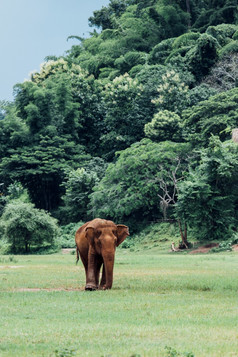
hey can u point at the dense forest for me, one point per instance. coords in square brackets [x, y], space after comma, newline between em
[133, 124]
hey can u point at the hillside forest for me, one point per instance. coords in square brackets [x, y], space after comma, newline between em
[133, 124]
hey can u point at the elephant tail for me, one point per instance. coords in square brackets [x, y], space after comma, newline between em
[77, 255]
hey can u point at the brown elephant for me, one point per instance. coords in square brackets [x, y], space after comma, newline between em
[96, 243]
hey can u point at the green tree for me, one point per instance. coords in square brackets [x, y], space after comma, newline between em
[57, 114]
[26, 228]
[130, 188]
[212, 13]
[79, 185]
[13, 131]
[202, 56]
[208, 197]
[104, 18]
[165, 125]
[172, 93]
[41, 168]
[125, 115]
[218, 116]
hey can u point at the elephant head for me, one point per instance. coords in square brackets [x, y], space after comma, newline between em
[105, 238]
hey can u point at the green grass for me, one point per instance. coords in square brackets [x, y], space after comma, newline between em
[185, 302]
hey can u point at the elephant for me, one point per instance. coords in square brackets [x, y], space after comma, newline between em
[96, 243]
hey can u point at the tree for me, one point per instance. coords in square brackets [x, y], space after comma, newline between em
[78, 186]
[125, 115]
[224, 75]
[208, 197]
[130, 188]
[165, 125]
[215, 116]
[104, 18]
[57, 113]
[13, 131]
[41, 168]
[172, 93]
[26, 228]
[212, 13]
[202, 56]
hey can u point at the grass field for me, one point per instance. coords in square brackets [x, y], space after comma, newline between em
[160, 305]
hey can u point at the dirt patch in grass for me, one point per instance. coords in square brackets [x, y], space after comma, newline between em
[47, 289]
[204, 249]
[11, 266]
[68, 250]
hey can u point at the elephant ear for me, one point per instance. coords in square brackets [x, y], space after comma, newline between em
[122, 233]
[90, 233]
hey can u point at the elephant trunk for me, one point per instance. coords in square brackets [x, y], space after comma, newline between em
[108, 259]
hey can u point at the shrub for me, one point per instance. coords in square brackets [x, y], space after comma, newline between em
[222, 33]
[225, 246]
[26, 228]
[165, 125]
[67, 234]
[202, 56]
[15, 190]
[231, 47]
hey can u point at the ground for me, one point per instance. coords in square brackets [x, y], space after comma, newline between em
[161, 305]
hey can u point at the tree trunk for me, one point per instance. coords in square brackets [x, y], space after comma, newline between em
[189, 12]
[183, 234]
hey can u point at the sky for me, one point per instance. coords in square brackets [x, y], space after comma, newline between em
[31, 30]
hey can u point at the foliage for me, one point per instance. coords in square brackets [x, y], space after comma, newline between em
[230, 48]
[172, 352]
[161, 51]
[153, 236]
[165, 125]
[162, 69]
[223, 33]
[224, 75]
[201, 93]
[226, 245]
[172, 93]
[3, 202]
[215, 116]
[125, 116]
[202, 56]
[26, 228]
[67, 235]
[78, 186]
[41, 169]
[15, 190]
[214, 13]
[49, 131]
[130, 187]
[207, 198]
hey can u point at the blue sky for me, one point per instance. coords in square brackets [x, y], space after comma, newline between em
[30, 30]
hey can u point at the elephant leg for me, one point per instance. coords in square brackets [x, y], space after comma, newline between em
[85, 263]
[103, 279]
[97, 269]
[90, 276]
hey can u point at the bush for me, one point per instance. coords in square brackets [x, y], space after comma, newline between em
[26, 228]
[165, 125]
[222, 33]
[226, 245]
[67, 234]
[231, 47]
